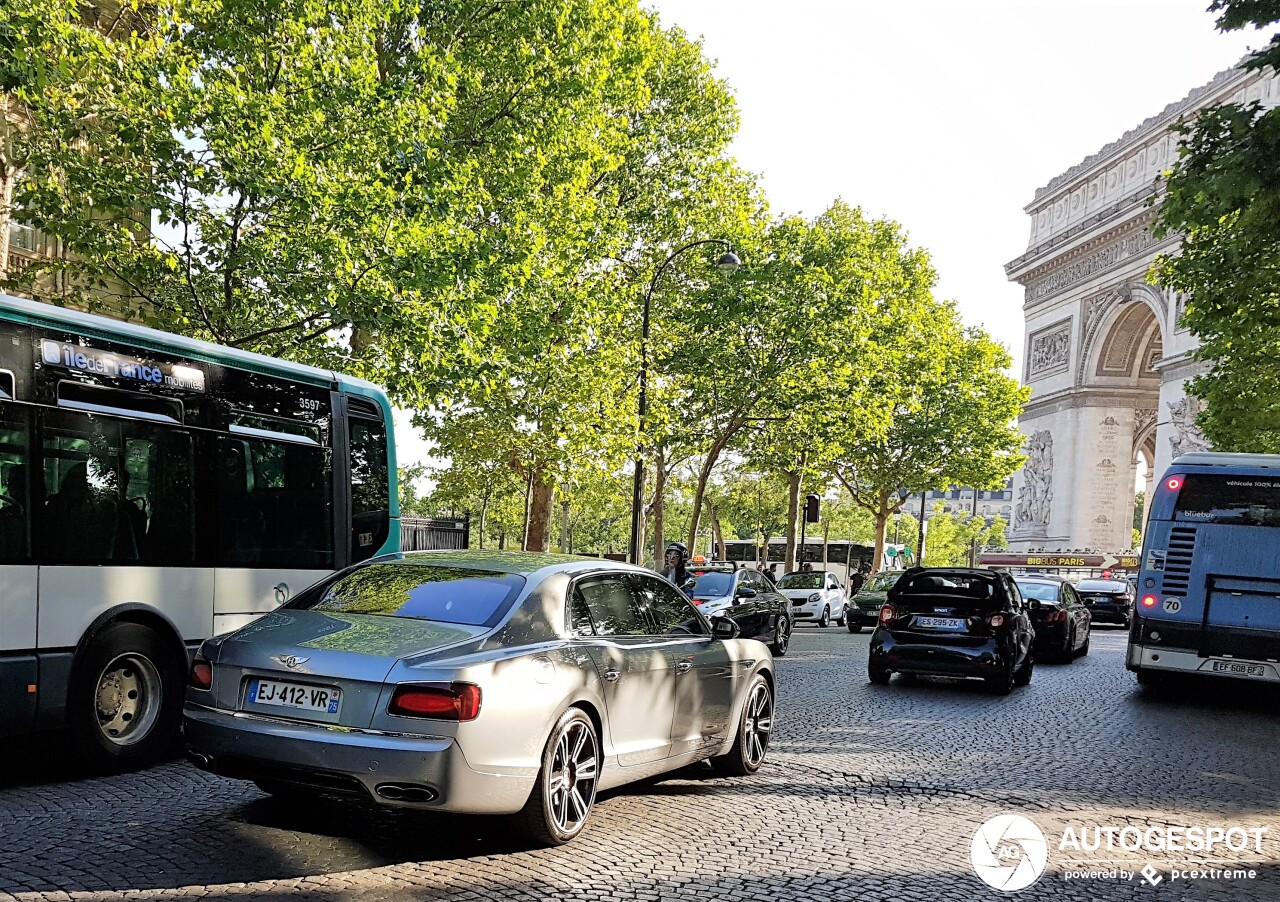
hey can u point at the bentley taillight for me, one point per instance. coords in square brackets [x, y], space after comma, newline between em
[201, 676]
[456, 701]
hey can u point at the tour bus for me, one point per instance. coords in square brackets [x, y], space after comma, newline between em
[1210, 572]
[155, 491]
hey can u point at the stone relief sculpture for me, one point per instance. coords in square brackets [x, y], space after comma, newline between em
[1035, 498]
[1187, 437]
[1050, 350]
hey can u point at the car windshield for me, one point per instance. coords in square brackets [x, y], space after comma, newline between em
[709, 584]
[443, 594]
[880, 583]
[802, 581]
[1038, 591]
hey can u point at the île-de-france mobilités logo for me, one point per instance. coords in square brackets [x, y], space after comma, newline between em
[1009, 852]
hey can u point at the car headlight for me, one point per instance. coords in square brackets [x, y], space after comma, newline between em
[816, 596]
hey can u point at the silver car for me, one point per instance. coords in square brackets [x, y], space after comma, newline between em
[495, 683]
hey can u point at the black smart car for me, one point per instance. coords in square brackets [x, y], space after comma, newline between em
[1061, 620]
[954, 622]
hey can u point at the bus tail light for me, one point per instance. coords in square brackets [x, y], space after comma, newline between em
[887, 613]
[201, 676]
[1174, 482]
[1148, 601]
[456, 701]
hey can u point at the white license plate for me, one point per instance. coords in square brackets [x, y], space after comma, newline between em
[295, 695]
[1233, 667]
[940, 623]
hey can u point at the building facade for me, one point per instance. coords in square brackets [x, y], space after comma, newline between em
[1105, 357]
[959, 500]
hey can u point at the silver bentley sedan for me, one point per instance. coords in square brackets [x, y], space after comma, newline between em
[480, 682]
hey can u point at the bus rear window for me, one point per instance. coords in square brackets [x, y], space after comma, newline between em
[1229, 499]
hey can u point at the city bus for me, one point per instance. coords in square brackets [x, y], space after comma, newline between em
[155, 491]
[1209, 586]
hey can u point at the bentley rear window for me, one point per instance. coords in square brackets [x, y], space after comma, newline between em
[442, 594]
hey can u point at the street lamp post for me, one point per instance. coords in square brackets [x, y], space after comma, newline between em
[728, 262]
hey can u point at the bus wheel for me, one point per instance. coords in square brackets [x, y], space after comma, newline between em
[125, 701]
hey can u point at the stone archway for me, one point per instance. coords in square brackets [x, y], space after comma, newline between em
[1106, 361]
[1119, 396]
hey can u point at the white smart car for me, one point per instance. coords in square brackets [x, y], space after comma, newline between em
[814, 596]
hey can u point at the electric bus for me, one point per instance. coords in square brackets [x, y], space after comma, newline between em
[156, 491]
[1209, 588]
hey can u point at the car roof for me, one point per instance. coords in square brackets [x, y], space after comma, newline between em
[522, 563]
[967, 572]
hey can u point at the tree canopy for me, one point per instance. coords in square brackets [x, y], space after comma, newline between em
[469, 202]
[1223, 197]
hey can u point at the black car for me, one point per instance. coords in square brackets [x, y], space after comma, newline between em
[748, 597]
[954, 622]
[1061, 620]
[1108, 600]
[864, 607]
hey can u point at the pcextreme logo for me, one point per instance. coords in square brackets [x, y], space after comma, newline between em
[1009, 852]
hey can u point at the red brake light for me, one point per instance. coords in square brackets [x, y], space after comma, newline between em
[1148, 601]
[201, 673]
[1173, 483]
[886, 613]
[996, 620]
[457, 701]
[1061, 616]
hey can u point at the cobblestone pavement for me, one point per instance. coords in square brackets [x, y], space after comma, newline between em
[869, 793]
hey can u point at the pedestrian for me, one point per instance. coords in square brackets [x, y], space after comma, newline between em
[674, 563]
[858, 580]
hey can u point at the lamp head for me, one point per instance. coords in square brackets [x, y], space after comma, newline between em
[728, 262]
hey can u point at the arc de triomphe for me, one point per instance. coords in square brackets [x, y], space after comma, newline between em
[1105, 358]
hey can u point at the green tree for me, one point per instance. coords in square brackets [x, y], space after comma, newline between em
[953, 415]
[950, 537]
[1223, 197]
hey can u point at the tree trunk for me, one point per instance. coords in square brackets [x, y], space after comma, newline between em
[541, 501]
[826, 540]
[8, 175]
[882, 527]
[717, 551]
[704, 476]
[793, 511]
[484, 513]
[659, 499]
[7, 178]
[528, 500]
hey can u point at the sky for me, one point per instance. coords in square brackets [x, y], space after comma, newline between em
[943, 115]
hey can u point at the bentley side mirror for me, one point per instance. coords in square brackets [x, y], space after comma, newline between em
[724, 628]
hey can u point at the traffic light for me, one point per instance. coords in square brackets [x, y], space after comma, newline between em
[811, 508]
